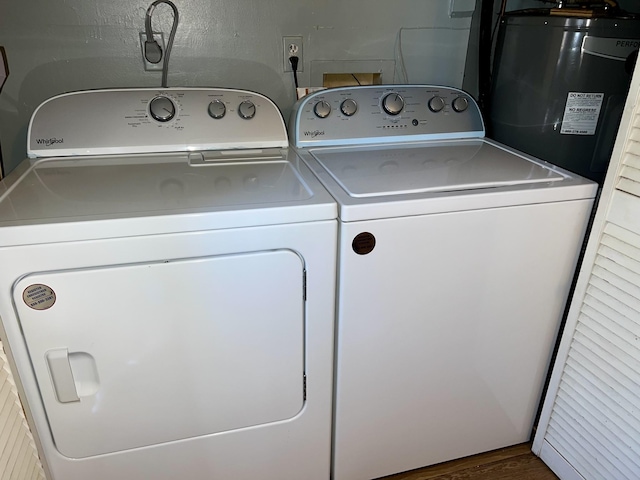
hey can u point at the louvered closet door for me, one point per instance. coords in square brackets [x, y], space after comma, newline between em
[590, 424]
[18, 455]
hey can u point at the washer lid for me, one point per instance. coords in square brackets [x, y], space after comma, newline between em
[376, 171]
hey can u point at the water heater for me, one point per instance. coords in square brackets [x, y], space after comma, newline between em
[559, 85]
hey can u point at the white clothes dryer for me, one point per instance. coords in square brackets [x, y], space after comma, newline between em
[456, 257]
[167, 288]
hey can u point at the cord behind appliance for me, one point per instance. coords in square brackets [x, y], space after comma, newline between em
[152, 50]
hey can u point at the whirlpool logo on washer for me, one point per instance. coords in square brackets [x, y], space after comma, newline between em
[47, 142]
[314, 133]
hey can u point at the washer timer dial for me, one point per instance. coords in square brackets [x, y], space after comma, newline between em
[393, 104]
[162, 108]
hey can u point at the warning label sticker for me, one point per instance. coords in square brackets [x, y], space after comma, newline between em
[581, 113]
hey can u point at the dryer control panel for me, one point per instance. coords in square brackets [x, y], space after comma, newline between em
[384, 114]
[150, 120]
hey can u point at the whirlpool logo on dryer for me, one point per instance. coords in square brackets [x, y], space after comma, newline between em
[47, 142]
[313, 133]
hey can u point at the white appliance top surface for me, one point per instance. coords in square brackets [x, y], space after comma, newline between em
[146, 161]
[62, 191]
[387, 151]
[404, 179]
[394, 170]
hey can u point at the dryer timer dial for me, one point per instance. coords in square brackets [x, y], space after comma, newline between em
[162, 108]
[247, 110]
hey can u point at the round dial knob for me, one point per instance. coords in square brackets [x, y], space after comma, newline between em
[393, 104]
[162, 109]
[247, 110]
[460, 104]
[322, 109]
[217, 109]
[436, 104]
[349, 107]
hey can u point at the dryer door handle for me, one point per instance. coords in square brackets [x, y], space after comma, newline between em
[61, 375]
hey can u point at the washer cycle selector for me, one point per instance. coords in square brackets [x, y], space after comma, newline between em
[217, 109]
[460, 104]
[436, 104]
[349, 107]
[393, 104]
[322, 109]
[162, 108]
[247, 110]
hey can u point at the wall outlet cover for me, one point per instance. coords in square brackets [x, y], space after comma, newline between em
[292, 46]
[148, 66]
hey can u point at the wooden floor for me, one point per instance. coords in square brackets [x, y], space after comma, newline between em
[512, 463]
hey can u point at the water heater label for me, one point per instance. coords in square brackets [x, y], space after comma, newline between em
[612, 48]
[581, 113]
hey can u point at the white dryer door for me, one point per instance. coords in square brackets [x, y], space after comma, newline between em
[134, 355]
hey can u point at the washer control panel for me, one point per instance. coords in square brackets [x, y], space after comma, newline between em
[384, 114]
[145, 120]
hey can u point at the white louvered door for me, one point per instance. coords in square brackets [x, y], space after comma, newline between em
[18, 455]
[590, 423]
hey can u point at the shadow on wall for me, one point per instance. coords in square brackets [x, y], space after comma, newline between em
[54, 78]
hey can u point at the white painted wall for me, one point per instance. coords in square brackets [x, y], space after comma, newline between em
[56, 46]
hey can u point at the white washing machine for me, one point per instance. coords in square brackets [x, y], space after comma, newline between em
[456, 256]
[167, 288]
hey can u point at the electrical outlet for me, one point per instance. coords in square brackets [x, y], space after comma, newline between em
[148, 66]
[292, 47]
